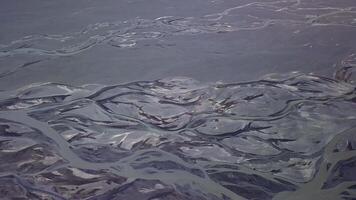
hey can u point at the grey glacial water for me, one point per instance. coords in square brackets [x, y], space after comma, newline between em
[178, 100]
[292, 136]
[110, 41]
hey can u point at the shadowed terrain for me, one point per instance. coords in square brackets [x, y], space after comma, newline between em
[180, 139]
[178, 100]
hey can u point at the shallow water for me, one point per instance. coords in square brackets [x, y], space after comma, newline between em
[110, 41]
[285, 136]
[96, 103]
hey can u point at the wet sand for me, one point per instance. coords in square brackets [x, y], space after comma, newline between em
[178, 100]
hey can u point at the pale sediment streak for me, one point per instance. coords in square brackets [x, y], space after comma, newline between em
[247, 17]
[34, 49]
[177, 138]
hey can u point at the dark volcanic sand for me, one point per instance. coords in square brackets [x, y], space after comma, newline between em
[95, 103]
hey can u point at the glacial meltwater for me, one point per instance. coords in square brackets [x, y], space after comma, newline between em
[282, 136]
[178, 100]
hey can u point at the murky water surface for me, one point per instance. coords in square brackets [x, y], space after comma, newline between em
[110, 41]
[291, 135]
[95, 102]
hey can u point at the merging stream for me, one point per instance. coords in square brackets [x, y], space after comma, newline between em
[283, 136]
[288, 136]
